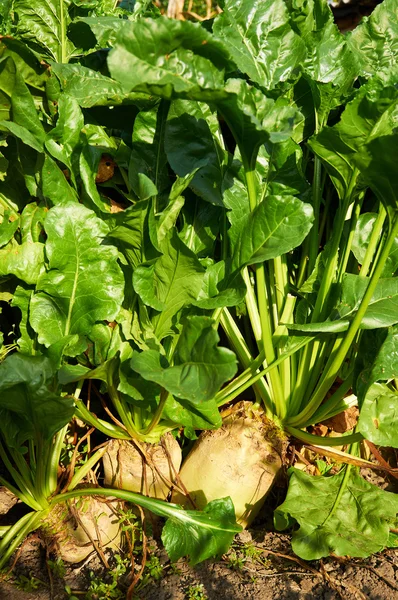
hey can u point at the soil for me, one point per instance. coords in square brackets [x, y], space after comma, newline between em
[274, 574]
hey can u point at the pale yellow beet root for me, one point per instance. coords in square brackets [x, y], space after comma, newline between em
[240, 460]
[72, 526]
[125, 466]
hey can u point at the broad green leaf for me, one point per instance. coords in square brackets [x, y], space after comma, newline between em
[89, 160]
[192, 140]
[280, 172]
[374, 42]
[171, 282]
[131, 233]
[329, 59]
[377, 360]
[383, 307]
[192, 416]
[362, 139]
[32, 222]
[148, 173]
[254, 118]
[83, 283]
[276, 226]
[91, 88]
[168, 58]
[342, 514]
[25, 261]
[55, 186]
[378, 419]
[167, 218]
[43, 25]
[382, 310]
[8, 226]
[200, 534]
[27, 62]
[67, 132]
[104, 31]
[25, 390]
[22, 134]
[200, 366]
[360, 242]
[376, 163]
[260, 40]
[330, 67]
[363, 231]
[21, 299]
[15, 92]
[200, 226]
[221, 287]
[7, 81]
[378, 357]
[309, 17]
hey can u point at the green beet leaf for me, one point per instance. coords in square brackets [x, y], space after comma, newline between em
[25, 390]
[147, 173]
[130, 234]
[168, 58]
[32, 220]
[360, 243]
[197, 126]
[8, 226]
[274, 227]
[192, 416]
[55, 186]
[378, 417]
[104, 30]
[170, 283]
[200, 226]
[83, 284]
[261, 40]
[25, 261]
[358, 139]
[382, 310]
[200, 365]
[280, 170]
[254, 118]
[43, 25]
[342, 514]
[200, 534]
[374, 42]
[330, 67]
[377, 361]
[221, 287]
[21, 299]
[91, 88]
[17, 93]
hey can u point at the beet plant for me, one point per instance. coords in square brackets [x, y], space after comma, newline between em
[166, 185]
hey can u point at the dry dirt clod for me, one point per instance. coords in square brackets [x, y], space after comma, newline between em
[106, 169]
[345, 421]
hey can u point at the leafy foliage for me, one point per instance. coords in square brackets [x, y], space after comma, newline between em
[343, 514]
[165, 185]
